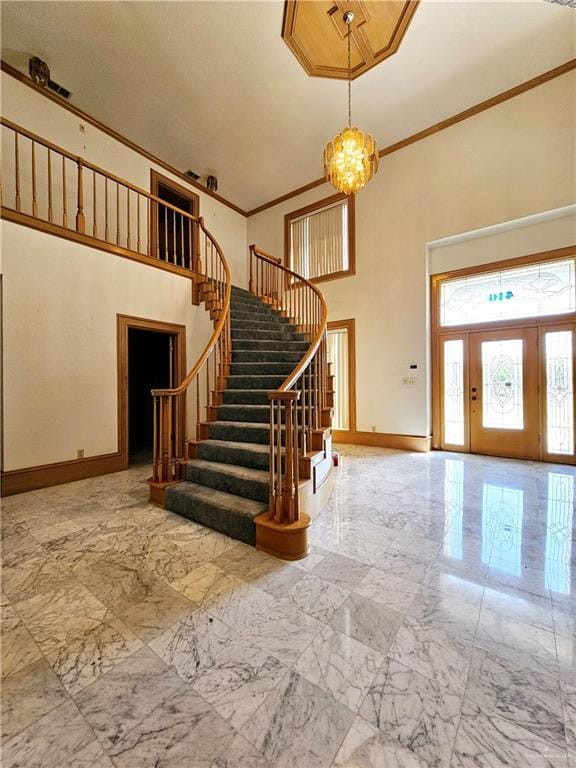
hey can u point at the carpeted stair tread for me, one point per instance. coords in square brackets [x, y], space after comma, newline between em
[248, 412]
[270, 345]
[266, 356]
[259, 381]
[245, 397]
[224, 512]
[261, 368]
[241, 454]
[239, 431]
[247, 482]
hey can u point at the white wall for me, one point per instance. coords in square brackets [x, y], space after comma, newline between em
[61, 299]
[510, 161]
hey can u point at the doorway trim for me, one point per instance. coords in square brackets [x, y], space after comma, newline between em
[340, 435]
[124, 323]
[157, 180]
[438, 334]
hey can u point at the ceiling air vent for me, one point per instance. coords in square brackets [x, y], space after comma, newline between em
[59, 89]
[192, 175]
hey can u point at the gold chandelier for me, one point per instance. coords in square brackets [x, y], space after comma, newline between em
[351, 157]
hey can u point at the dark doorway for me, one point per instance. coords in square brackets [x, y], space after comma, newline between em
[172, 233]
[151, 365]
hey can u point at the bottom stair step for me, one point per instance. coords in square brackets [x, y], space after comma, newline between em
[231, 515]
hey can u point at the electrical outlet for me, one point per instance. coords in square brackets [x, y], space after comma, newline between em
[80, 453]
[373, 429]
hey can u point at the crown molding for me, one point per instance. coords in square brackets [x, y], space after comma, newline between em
[511, 93]
[482, 106]
[21, 77]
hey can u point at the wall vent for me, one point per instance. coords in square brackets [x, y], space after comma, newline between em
[59, 89]
[192, 175]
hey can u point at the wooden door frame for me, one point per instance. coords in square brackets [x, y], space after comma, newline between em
[350, 326]
[439, 333]
[124, 324]
[156, 180]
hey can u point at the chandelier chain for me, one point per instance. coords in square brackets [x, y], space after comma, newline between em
[349, 79]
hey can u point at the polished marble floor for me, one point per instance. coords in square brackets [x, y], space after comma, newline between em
[432, 626]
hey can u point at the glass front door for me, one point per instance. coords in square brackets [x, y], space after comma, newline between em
[504, 412]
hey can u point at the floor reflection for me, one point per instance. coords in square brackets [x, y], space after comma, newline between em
[503, 531]
[558, 550]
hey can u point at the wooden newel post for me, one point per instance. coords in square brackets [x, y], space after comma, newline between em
[80, 223]
[165, 435]
[282, 531]
[251, 280]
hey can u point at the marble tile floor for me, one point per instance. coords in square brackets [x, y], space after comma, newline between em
[433, 625]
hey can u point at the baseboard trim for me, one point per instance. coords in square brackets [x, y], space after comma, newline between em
[31, 478]
[383, 440]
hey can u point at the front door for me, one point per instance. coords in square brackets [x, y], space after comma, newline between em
[503, 381]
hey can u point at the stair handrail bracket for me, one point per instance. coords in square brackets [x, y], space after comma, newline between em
[299, 408]
[209, 374]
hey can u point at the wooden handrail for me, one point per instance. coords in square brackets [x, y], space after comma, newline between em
[215, 336]
[96, 168]
[303, 411]
[293, 377]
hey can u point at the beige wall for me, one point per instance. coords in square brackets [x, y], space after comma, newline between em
[60, 301]
[510, 161]
[31, 110]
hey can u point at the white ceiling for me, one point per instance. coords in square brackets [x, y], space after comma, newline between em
[212, 86]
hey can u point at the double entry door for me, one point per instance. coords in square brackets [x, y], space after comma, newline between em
[510, 392]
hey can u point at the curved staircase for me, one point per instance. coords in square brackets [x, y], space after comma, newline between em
[227, 483]
[261, 457]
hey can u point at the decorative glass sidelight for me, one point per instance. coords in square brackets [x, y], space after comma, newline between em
[534, 290]
[559, 393]
[454, 392]
[502, 384]
[557, 565]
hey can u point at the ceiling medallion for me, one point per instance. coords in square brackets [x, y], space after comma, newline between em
[351, 157]
[315, 32]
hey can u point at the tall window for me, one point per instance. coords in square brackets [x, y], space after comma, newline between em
[340, 353]
[320, 239]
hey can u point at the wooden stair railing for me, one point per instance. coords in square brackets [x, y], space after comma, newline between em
[170, 444]
[301, 399]
[50, 189]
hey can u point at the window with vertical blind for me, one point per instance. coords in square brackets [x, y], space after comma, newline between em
[320, 239]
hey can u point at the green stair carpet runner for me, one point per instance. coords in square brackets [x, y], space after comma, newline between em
[227, 486]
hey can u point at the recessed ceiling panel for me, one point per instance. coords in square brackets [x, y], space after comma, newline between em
[315, 32]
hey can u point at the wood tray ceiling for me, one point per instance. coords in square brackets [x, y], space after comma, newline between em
[315, 32]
